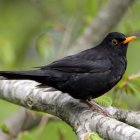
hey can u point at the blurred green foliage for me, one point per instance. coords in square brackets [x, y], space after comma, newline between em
[54, 130]
[31, 34]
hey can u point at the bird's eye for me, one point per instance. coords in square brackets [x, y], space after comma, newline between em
[115, 41]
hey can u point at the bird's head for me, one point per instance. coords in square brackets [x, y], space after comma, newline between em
[117, 41]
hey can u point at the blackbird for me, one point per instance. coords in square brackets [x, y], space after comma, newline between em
[86, 75]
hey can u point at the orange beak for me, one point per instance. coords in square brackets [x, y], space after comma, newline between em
[129, 39]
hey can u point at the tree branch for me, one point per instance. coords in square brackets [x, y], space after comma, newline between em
[19, 121]
[77, 114]
[129, 117]
[23, 120]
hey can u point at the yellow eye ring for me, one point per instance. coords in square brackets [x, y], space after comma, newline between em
[115, 41]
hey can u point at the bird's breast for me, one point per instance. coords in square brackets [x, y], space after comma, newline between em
[118, 70]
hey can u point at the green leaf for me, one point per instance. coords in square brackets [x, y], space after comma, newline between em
[94, 136]
[4, 128]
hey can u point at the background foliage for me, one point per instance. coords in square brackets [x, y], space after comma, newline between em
[32, 34]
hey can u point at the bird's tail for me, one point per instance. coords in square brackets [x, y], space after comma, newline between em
[23, 75]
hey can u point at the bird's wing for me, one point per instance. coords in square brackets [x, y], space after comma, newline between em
[80, 65]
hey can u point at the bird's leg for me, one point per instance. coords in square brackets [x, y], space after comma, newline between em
[95, 106]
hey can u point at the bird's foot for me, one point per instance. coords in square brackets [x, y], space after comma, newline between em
[95, 106]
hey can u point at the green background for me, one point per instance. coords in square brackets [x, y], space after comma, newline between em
[31, 34]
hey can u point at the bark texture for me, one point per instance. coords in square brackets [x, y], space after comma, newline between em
[78, 115]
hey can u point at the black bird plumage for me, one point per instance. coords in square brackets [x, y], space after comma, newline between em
[88, 74]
